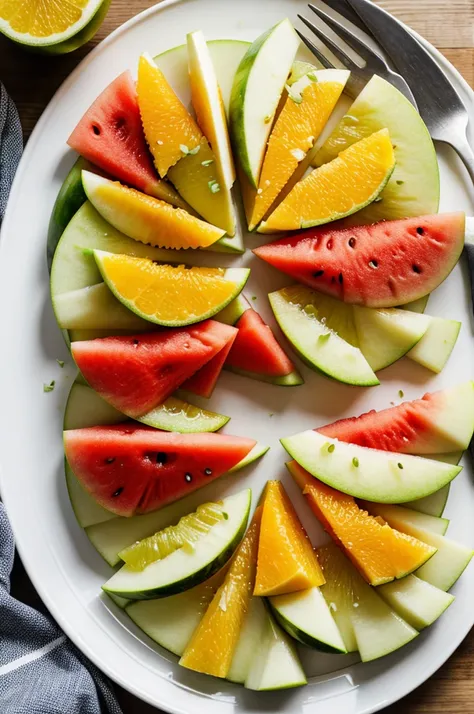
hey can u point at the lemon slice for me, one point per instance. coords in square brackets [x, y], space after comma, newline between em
[52, 26]
[169, 295]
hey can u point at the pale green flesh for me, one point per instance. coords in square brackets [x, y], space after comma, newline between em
[434, 504]
[237, 276]
[433, 524]
[418, 306]
[250, 637]
[435, 347]
[378, 476]
[446, 565]
[306, 616]
[258, 85]
[419, 603]
[379, 106]
[171, 621]
[275, 665]
[234, 310]
[183, 569]
[121, 602]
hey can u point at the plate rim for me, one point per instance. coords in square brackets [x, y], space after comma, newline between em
[55, 611]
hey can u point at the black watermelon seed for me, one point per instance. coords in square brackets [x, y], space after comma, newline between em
[136, 342]
[352, 242]
[110, 460]
[318, 273]
[341, 278]
[161, 458]
[208, 472]
[420, 231]
[96, 129]
[117, 492]
[188, 477]
[416, 269]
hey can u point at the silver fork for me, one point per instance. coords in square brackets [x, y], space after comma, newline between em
[373, 63]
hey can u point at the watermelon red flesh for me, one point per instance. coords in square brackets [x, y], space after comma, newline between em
[256, 350]
[131, 469]
[409, 428]
[204, 381]
[110, 134]
[137, 373]
[382, 265]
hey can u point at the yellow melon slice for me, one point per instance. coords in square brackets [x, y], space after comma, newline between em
[307, 108]
[286, 559]
[337, 189]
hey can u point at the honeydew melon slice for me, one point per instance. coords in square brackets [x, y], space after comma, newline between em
[370, 474]
[435, 347]
[250, 637]
[256, 91]
[419, 603]
[306, 616]
[413, 189]
[417, 305]
[451, 558]
[432, 505]
[184, 568]
[275, 664]
[433, 524]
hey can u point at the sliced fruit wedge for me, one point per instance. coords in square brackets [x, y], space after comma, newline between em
[258, 85]
[414, 186]
[307, 107]
[138, 373]
[306, 616]
[212, 646]
[171, 621]
[250, 638]
[296, 567]
[438, 422]
[145, 218]
[169, 295]
[419, 603]
[337, 189]
[364, 619]
[380, 553]
[256, 353]
[323, 333]
[450, 559]
[275, 665]
[187, 566]
[436, 345]
[204, 381]
[208, 105]
[110, 135]
[380, 476]
[433, 505]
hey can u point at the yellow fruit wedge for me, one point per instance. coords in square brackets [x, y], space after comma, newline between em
[337, 189]
[307, 107]
[213, 643]
[52, 26]
[145, 218]
[286, 559]
[169, 295]
[167, 124]
[208, 105]
[197, 179]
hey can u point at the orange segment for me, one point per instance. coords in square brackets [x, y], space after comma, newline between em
[294, 134]
[213, 643]
[379, 552]
[170, 295]
[286, 559]
[337, 189]
[169, 128]
[42, 19]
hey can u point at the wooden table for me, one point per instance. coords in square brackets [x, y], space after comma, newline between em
[449, 24]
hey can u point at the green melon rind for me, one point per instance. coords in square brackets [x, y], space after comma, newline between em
[142, 584]
[293, 379]
[380, 105]
[238, 276]
[377, 477]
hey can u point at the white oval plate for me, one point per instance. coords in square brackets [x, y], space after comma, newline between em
[62, 564]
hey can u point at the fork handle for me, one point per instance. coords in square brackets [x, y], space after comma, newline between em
[463, 149]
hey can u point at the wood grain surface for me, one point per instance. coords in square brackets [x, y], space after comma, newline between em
[449, 24]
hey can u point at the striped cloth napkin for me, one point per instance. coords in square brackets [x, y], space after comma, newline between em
[41, 672]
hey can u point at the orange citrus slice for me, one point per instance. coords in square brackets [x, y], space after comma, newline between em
[213, 643]
[337, 189]
[286, 559]
[169, 295]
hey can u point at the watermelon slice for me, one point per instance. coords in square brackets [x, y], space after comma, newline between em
[204, 380]
[381, 265]
[256, 353]
[130, 469]
[137, 373]
[438, 422]
[110, 135]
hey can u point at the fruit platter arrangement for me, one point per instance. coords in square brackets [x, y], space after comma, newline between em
[209, 163]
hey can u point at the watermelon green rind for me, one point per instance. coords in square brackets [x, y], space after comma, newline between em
[294, 379]
[209, 554]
